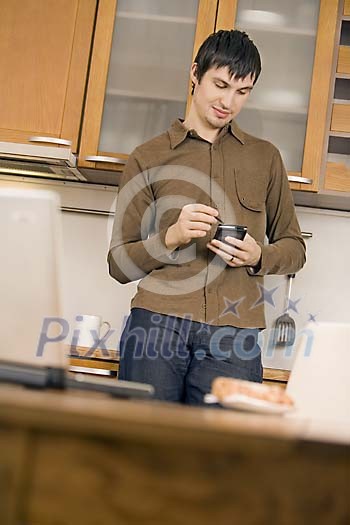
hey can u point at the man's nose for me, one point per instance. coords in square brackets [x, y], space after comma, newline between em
[227, 99]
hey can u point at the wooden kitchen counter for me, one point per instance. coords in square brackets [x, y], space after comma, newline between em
[82, 458]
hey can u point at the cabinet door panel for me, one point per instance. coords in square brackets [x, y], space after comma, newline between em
[288, 106]
[44, 49]
[341, 118]
[337, 176]
[344, 60]
[14, 465]
[346, 8]
[147, 84]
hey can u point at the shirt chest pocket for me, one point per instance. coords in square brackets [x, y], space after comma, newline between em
[251, 190]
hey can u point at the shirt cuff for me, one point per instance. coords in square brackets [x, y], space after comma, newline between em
[254, 270]
[166, 255]
[173, 256]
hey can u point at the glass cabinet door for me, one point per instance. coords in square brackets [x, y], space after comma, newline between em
[285, 34]
[149, 69]
[288, 105]
[139, 76]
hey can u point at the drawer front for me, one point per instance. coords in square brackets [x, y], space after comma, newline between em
[341, 118]
[343, 59]
[337, 177]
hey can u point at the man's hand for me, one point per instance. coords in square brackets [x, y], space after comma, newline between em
[195, 220]
[239, 253]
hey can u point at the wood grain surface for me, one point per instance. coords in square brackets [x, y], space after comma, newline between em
[344, 60]
[205, 26]
[70, 458]
[14, 460]
[126, 481]
[226, 17]
[78, 69]
[95, 96]
[346, 8]
[337, 177]
[319, 93]
[44, 56]
[341, 118]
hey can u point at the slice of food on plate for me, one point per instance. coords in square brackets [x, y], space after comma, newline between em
[224, 387]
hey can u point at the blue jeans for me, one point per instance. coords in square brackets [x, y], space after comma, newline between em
[181, 358]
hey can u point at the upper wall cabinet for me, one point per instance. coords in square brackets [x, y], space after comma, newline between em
[139, 76]
[288, 105]
[337, 173]
[44, 54]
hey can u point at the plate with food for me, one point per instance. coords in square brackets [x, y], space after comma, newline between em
[249, 396]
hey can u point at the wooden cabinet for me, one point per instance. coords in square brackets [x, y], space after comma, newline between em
[346, 8]
[290, 101]
[108, 75]
[139, 77]
[337, 164]
[341, 118]
[44, 53]
[79, 458]
[13, 450]
[344, 60]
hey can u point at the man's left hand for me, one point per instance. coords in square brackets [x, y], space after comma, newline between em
[237, 253]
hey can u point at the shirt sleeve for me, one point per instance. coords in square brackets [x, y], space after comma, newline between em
[136, 248]
[286, 252]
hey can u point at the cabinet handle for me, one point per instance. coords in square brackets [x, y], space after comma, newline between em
[87, 211]
[51, 140]
[103, 158]
[306, 235]
[303, 180]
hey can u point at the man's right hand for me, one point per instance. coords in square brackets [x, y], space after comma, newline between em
[195, 220]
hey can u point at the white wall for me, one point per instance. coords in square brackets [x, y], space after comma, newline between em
[88, 289]
[323, 286]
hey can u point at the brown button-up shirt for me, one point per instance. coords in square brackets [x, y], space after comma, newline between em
[244, 178]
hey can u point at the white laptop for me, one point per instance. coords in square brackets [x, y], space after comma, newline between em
[320, 379]
[33, 330]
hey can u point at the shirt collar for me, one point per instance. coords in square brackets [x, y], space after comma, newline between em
[177, 132]
[237, 132]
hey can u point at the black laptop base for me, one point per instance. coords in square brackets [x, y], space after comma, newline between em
[57, 378]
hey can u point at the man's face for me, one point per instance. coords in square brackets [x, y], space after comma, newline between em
[218, 98]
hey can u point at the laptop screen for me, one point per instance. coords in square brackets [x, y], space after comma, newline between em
[30, 284]
[320, 379]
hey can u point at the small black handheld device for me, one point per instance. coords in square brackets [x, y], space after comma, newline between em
[233, 230]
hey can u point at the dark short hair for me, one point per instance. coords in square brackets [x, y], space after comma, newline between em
[233, 49]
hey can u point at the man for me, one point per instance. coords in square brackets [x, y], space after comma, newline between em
[199, 305]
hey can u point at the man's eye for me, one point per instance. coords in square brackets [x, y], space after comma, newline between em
[220, 86]
[243, 92]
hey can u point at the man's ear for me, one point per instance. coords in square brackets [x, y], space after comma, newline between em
[193, 73]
